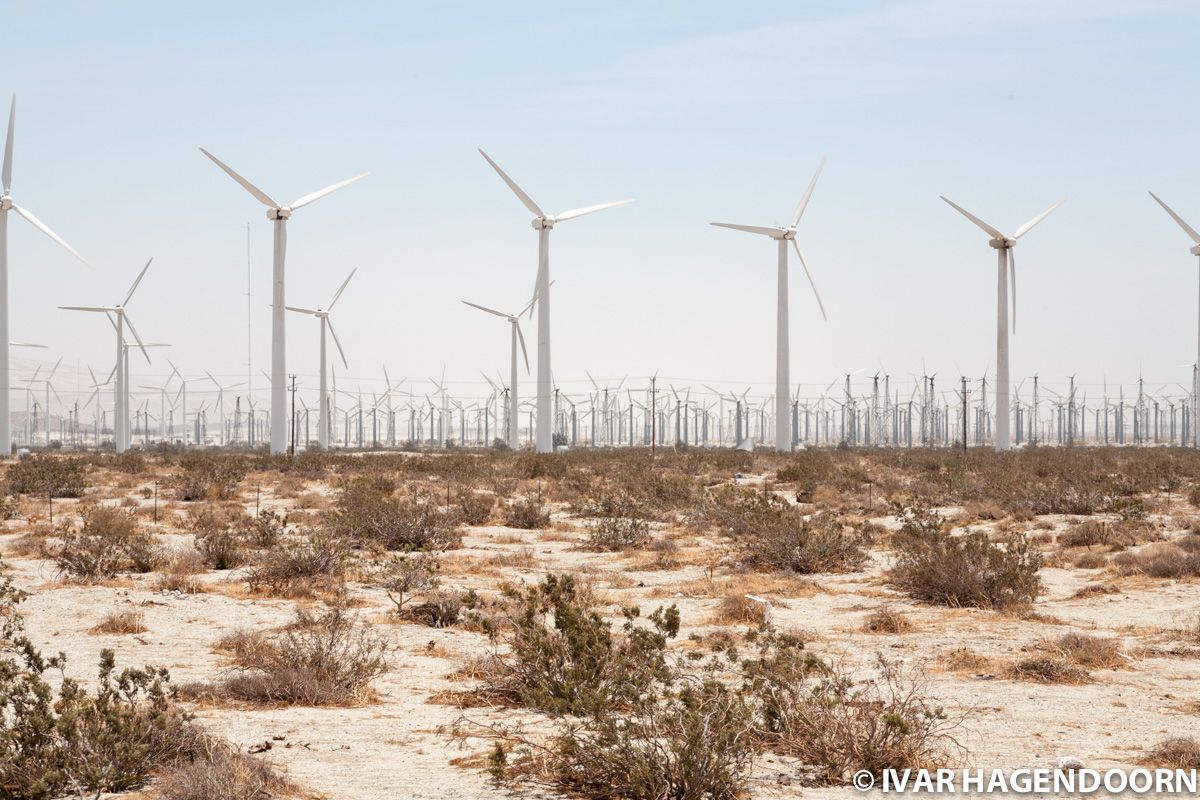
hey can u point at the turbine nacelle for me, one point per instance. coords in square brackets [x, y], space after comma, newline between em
[284, 213]
[1002, 243]
[542, 223]
[6, 202]
[1195, 250]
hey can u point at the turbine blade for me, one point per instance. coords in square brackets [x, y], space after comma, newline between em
[303, 310]
[259, 194]
[521, 339]
[988, 229]
[341, 288]
[211, 378]
[317, 195]
[54, 369]
[136, 338]
[41, 226]
[1028, 226]
[485, 308]
[517, 190]
[774, 233]
[88, 308]
[338, 342]
[799, 212]
[579, 212]
[1178, 219]
[8, 145]
[811, 283]
[133, 288]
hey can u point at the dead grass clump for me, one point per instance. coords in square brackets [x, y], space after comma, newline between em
[1091, 561]
[735, 608]
[1048, 669]
[1095, 590]
[887, 620]
[1178, 752]
[963, 570]
[963, 659]
[527, 514]
[178, 571]
[320, 660]
[120, 622]
[218, 771]
[1158, 560]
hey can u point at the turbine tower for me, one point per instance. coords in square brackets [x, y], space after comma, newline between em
[543, 223]
[783, 427]
[1195, 237]
[517, 337]
[279, 215]
[121, 387]
[1006, 263]
[326, 323]
[6, 205]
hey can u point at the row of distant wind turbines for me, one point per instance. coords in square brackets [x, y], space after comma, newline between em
[543, 223]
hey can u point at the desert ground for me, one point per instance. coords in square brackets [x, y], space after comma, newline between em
[361, 626]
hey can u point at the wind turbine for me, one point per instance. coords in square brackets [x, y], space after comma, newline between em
[6, 205]
[221, 402]
[1191, 232]
[543, 223]
[326, 323]
[121, 389]
[783, 433]
[516, 337]
[1006, 263]
[279, 215]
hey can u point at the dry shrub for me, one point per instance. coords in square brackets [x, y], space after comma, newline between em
[325, 660]
[474, 508]
[1177, 752]
[1086, 651]
[1095, 589]
[1048, 669]
[527, 514]
[120, 622]
[1158, 560]
[315, 561]
[438, 609]
[218, 771]
[1091, 561]
[107, 542]
[819, 715]
[736, 607]
[887, 620]
[207, 476]
[816, 544]
[367, 515]
[218, 541]
[620, 523]
[1117, 534]
[963, 659]
[47, 476]
[178, 570]
[963, 570]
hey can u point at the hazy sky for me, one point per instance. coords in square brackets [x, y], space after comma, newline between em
[700, 110]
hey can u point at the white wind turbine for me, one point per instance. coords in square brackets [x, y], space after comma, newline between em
[1006, 263]
[543, 223]
[121, 388]
[221, 403]
[6, 205]
[1195, 237]
[783, 431]
[326, 323]
[279, 215]
[517, 338]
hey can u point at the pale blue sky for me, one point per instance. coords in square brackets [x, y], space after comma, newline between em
[700, 110]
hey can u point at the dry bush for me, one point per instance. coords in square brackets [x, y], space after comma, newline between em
[619, 523]
[108, 541]
[1091, 561]
[816, 544]
[47, 476]
[325, 660]
[1086, 651]
[367, 515]
[178, 570]
[1178, 752]
[962, 659]
[1095, 589]
[1158, 560]
[963, 570]
[526, 514]
[1116, 535]
[1048, 669]
[120, 622]
[312, 562]
[218, 541]
[474, 508]
[886, 620]
[218, 771]
[837, 726]
[207, 476]
[562, 656]
[736, 607]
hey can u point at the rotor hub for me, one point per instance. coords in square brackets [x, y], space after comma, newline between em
[1195, 250]
[279, 213]
[1002, 244]
[543, 223]
[789, 234]
[6, 203]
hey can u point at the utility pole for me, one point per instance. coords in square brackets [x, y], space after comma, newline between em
[964, 412]
[292, 451]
